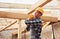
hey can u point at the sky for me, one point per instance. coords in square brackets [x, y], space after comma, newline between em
[20, 1]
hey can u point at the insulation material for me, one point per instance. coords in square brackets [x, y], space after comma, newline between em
[57, 30]
[7, 34]
[47, 33]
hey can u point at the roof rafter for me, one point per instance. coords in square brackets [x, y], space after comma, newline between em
[14, 5]
[38, 4]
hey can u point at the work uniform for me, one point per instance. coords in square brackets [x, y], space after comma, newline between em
[35, 28]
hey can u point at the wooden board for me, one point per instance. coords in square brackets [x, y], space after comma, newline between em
[24, 16]
[14, 5]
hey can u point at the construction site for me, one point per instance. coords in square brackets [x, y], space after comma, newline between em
[18, 17]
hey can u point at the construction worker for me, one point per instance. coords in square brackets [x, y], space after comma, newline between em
[34, 24]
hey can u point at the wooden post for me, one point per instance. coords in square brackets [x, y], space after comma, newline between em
[53, 31]
[56, 29]
[19, 29]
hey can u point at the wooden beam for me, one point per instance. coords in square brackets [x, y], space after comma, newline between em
[45, 25]
[38, 4]
[53, 8]
[14, 5]
[8, 26]
[49, 19]
[47, 1]
[24, 16]
[19, 29]
[4, 14]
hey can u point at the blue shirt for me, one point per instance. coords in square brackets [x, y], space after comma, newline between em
[34, 23]
[35, 27]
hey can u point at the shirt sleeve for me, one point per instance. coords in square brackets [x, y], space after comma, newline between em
[28, 28]
[27, 22]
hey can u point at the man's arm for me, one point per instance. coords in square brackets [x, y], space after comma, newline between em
[26, 30]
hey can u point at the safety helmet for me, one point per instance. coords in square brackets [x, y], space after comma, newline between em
[40, 9]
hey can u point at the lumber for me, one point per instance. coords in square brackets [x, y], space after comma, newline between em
[4, 14]
[25, 16]
[49, 19]
[7, 26]
[14, 5]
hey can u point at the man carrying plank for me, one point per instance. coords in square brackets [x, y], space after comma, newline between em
[34, 24]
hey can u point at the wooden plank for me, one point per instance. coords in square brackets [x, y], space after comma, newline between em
[24, 16]
[4, 14]
[38, 4]
[49, 19]
[8, 26]
[45, 25]
[19, 29]
[14, 5]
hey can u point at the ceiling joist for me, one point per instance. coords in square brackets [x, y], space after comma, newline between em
[14, 5]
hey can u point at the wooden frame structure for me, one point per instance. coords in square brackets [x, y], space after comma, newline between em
[20, 16]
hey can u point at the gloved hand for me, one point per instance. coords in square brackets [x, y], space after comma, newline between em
[30, 17]
[23, 31]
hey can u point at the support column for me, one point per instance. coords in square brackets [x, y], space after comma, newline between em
[19, 29]
[56, 27]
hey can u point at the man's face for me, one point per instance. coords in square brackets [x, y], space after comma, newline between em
[37, 14]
